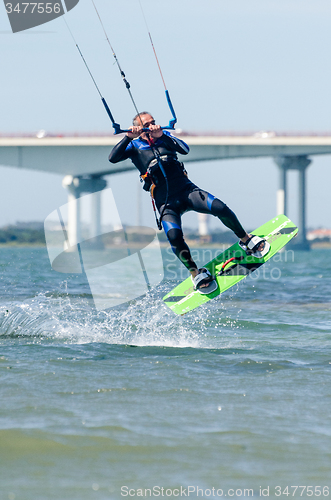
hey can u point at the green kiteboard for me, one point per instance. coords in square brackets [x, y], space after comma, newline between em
[233, 264]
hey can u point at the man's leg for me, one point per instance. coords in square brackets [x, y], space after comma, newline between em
[201, 201]
[172, 226]
[171, 223]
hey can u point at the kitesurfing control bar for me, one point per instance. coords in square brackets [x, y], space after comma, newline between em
[119, 130]
[116, 126]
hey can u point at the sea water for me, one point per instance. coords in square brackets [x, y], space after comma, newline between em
[232, 400]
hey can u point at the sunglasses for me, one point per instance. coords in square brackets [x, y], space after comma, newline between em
[147, 124]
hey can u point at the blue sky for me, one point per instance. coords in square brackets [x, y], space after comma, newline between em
[229, 66]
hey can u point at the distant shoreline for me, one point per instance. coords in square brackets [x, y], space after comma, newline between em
[191, 243]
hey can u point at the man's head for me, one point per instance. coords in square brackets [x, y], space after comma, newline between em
[144, 119]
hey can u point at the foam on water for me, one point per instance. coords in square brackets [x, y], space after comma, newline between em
[145, 321]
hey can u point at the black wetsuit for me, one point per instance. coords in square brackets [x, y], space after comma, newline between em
[180, 196]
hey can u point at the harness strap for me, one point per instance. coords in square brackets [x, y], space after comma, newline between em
[158, 221]
[143, 178]
[157, 156]
[147, 177]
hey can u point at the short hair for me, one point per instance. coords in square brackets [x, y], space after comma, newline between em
[135, 120]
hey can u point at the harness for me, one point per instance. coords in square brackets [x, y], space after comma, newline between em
[151, 178]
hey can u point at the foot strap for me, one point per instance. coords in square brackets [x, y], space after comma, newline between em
[252, 244]
[202, 278]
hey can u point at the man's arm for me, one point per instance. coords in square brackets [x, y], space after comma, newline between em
[175, 144]
[120, 151]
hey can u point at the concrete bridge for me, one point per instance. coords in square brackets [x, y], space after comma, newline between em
[83, 162]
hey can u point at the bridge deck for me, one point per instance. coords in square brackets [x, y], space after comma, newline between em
[83, 155]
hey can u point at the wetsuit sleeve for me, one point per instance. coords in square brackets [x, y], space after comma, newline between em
[121, 151]
[175, 144]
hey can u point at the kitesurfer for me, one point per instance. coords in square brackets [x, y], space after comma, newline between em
[175, 194]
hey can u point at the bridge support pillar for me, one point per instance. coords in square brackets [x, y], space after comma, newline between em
[73, 225]
[76, 186]
[302, 239]
[299, 163]
[203, 228]
[282, 190]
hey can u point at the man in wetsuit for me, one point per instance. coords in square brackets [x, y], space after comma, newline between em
[175, 194]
